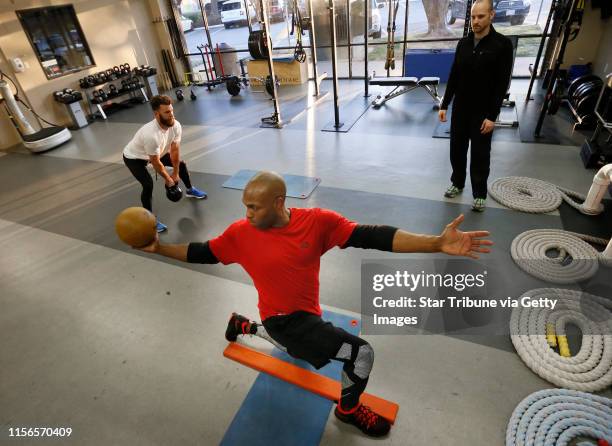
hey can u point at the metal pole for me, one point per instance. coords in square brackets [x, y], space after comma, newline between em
[205, 20]
[332, 30]
[348, 36]
[248, 14]
[553, 83]
[405, 38]
[286, 12]
[275, 119]
[539, 11]
[313, 48]
[534, 72]
[468, 18]
[366, 16]
[390, 36]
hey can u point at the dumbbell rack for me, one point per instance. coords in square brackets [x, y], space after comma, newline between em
[88, 92]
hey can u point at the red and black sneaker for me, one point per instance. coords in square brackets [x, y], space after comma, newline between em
[365, 419]
[238, 325]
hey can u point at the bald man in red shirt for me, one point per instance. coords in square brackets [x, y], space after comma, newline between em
[280, 248]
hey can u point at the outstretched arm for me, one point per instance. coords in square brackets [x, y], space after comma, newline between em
[452, 241]
[192, 252]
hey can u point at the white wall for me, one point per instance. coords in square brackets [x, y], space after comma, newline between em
[603, 59]
[117, 31]
[584, 49]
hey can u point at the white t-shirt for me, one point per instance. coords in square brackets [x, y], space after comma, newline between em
[151, 139]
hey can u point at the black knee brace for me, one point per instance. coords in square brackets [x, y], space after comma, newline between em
[358, 358]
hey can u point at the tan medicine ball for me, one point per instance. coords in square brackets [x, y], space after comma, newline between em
[136, 226]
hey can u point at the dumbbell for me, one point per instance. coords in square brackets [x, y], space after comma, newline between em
[112, 90]
[232, 85]
[101, 78]
[101, 95]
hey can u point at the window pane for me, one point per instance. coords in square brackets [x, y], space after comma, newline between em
[57, 39]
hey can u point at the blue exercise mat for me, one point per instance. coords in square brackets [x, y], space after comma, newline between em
[297, 186]
[275, 412]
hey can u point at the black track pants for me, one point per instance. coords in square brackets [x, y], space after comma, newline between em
[465, 129]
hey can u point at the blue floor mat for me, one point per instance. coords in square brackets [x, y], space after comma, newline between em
[275, 412]
[297, 186]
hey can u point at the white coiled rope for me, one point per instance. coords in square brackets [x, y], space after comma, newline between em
[576, 259]
[532, 195]
[535, 331]
[554, 417]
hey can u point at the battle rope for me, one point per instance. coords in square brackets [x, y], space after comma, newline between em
[556, 416]
[537, 331]
[576, 260]
[532, 195]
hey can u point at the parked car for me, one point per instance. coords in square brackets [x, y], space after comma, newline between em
[187, 24]
[513, 11]
[374, 21]
[277, 10]
[234, 13]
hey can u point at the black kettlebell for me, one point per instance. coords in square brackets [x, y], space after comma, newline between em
[174, 192]
[193, 96]
[179, 94]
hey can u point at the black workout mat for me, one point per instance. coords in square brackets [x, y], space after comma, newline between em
[506, 114]
[292, 109]
[556, 129]
[297, 185]
[350, 112]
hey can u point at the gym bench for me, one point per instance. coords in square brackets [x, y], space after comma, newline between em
[312, 382]
[404, 85]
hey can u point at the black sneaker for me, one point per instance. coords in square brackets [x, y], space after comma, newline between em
[237, 325]
[365, 419]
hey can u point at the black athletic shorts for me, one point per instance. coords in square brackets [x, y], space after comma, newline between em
[306, 336]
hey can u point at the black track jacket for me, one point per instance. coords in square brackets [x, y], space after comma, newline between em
[480, 76]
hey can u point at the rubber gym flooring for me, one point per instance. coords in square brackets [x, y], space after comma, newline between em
[126, 348]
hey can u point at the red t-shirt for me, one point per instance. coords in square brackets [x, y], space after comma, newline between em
[284, 262]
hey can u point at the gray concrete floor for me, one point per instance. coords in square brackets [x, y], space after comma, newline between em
[126, 348]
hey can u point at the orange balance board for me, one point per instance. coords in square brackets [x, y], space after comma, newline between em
[310, 381]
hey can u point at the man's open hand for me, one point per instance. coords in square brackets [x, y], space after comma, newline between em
[459, 243]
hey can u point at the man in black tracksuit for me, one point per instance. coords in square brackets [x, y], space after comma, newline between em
[478, 81]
